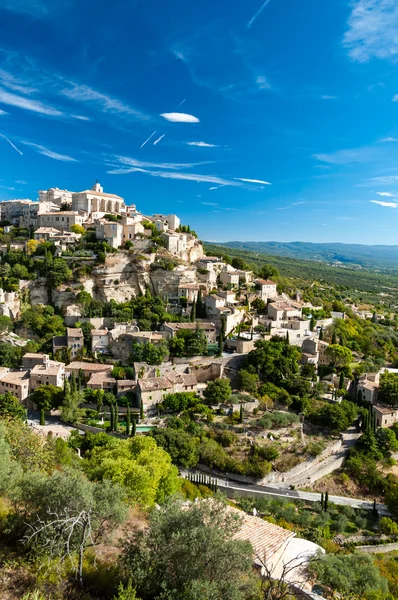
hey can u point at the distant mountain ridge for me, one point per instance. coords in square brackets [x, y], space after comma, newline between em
[375, 257]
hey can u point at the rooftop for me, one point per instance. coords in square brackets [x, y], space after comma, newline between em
[47, 229]
[266, 538]
[104, 194]
[51, 368]
[155, 383]
[201, 324]
[85, 366]
[265, 282]
[99, 332]
[74, 332]
[14, 377]
[104, 377]
[385, 410]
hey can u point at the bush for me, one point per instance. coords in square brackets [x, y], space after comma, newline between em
[388, 526]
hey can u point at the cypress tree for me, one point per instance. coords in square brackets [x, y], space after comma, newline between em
[42, 419]
[221, 337]
[287, 338]
[241, 414]
[73, 383]
[312, 323]
[322, 499]
[334, 338]
[375, 513]
[341, 382]
[141, 410]
[199, 304]
[112, 418]
[116, 422]
[341, 340]
[321, 334]
[326, 500]
[128, 421]
[134, 427]
[193, 312]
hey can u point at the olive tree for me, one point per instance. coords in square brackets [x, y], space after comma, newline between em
[63, 514]
[189, 551]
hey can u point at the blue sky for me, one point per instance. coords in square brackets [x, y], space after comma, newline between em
[254, 120]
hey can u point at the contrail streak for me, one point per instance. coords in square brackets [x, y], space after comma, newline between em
[158, 140]
[11, 144]
[182, 102]
[258, 13]
[146, 141]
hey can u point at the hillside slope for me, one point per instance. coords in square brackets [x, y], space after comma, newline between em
[384, 257]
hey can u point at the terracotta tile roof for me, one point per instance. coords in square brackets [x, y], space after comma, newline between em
[155, 383]
[266, 538]
[74, 332]
[99, 332]
[16, 377]
[98, 378]
[265, 282]
[384, 410]
[85, 366]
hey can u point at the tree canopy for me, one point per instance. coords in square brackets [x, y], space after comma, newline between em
[189, 552]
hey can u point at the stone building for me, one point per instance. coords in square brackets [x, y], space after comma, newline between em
[61, 220]
[97, 201]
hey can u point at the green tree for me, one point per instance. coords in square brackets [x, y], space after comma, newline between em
[274, 360]
[59, 273]
[249, 382]
[181, 446]
[218, 391]
[388, 389]
[193, 313]
[139, 465]
[386, 441]
[47, 397]
[134, 427]
[128, 421]
[351, 575]
[70, 411]
[10, 406]
[192, 553]
[63, 513]
[340, 356]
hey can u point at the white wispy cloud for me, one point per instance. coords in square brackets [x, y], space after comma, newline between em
[372, 30]
[252, 180]
[202, 144]
[106, 103]
[262, 83]
[384, 179]
[11, 144]
[258, 13]
[28, 104]
[210, 203]
[395, 98]
[3, 112]
[386, 204]
[38, 9]
[176, 117]
[133, 162]
[389, 139]
[199, 178]
[387, 194]
[327, 97]
[147, 140]
[80, 117]
[217, 187]
[156, 142]
[46, 152]
[346, 156]
[13, 83]
[21, 182]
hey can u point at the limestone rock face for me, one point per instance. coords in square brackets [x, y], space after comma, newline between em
[122, 277]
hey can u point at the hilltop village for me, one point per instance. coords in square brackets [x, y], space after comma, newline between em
[168, 371]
